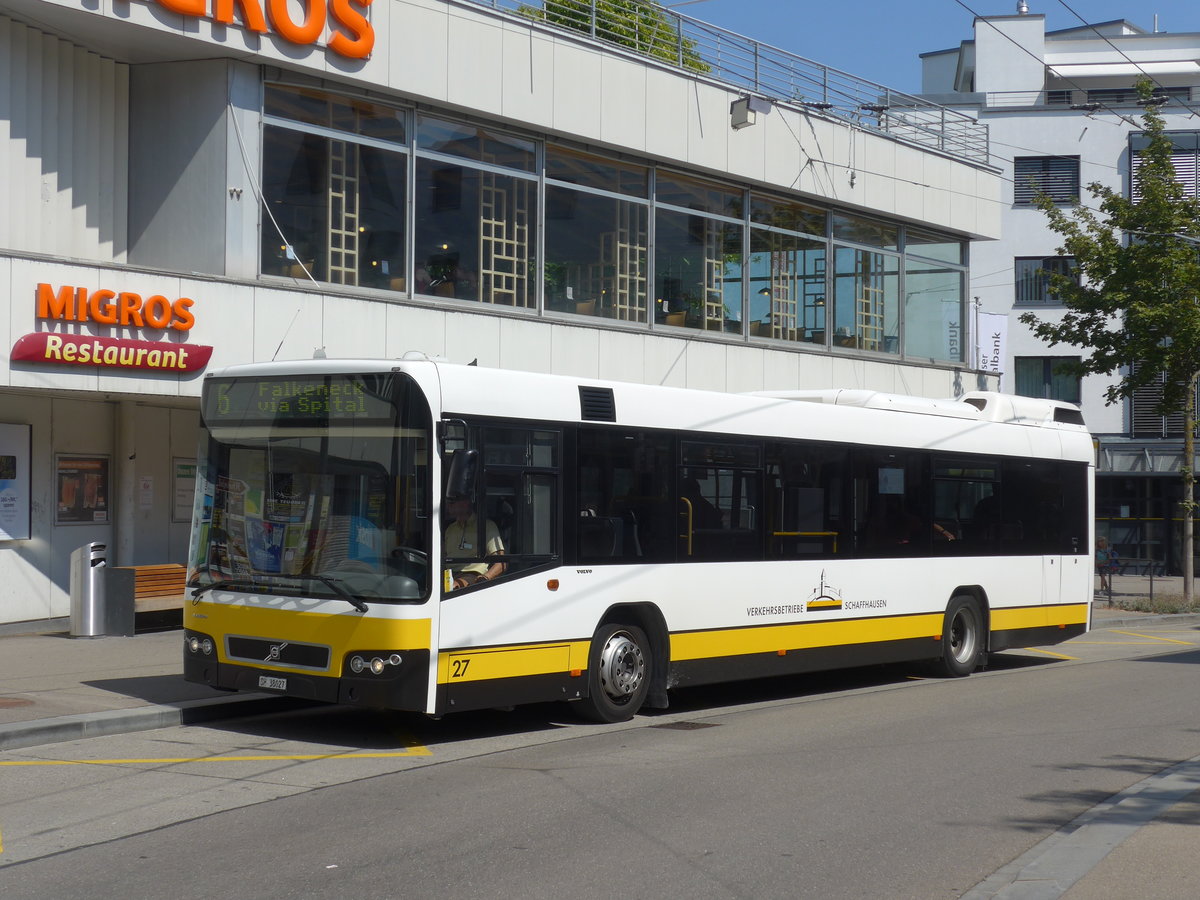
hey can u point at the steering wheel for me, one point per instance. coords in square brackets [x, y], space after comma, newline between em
[410, 554]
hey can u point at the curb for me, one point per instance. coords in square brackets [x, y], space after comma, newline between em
[37, 732]
[1134, 619]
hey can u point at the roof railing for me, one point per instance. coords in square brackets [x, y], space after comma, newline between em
[759, 69]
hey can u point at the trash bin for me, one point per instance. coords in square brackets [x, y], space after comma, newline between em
[88, 606]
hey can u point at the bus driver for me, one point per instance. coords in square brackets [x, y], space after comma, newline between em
[461, 535]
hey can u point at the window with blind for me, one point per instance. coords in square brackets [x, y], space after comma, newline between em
[1055, 176]
[1185, 157]
[1031, 277]
[1041, 376]
[1144, 418]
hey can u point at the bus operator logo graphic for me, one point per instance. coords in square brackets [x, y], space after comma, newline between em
[824, 596]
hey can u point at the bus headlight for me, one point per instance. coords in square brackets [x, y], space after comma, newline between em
[198, 644]
[377, 664]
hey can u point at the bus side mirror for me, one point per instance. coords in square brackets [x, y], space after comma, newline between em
[460, 481]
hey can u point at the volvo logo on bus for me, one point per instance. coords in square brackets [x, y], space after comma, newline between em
[275, 652]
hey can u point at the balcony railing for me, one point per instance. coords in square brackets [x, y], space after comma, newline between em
[759, 69]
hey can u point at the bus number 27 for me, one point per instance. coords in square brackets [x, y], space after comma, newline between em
[458, 668]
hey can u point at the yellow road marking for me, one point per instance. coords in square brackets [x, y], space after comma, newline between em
[1151, 637]
[1049, 653]
[415, 750]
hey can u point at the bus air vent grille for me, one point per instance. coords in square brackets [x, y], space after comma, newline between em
[597, 404]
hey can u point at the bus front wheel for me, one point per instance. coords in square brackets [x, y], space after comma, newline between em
[962, 637]
[618, 674]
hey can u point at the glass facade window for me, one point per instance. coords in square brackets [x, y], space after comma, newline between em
[788, 215]
[787, 286]
[476, 143]
[362, 194]
[475, 225]
[933, 246]
[933, 310]
[857, 230]
[698, 272]
[866, 290]
[597, 244]
[585, 170]
[333, 207]
[702, 196]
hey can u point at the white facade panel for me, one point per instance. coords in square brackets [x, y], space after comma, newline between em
[624, 102]
[417, 328]
[578, 97]
[575, 351]
[708, 127]
[472, 60]
[423, 30]
[667, 114]
[528, 74]
[525, 345]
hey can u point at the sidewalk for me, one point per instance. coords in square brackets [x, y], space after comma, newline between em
[58, 688]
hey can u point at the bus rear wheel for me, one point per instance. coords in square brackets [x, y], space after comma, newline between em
[618, 674]
[962, 637]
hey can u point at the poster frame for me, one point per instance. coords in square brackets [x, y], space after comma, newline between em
[66, 464]
[16, 449]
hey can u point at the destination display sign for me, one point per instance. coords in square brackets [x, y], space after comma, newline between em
[312, 400]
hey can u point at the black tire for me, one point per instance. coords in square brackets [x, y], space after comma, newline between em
[619, 667]
[962, 637]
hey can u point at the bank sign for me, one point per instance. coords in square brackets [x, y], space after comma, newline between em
[114, 309]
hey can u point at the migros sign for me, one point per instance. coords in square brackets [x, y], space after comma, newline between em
[118, 309]
[353, 36]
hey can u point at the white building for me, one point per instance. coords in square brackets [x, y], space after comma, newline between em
[1062, 113]
[193, 183]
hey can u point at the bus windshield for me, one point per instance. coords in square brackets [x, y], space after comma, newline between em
[314, 486]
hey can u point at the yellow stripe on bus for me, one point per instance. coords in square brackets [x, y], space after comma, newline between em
[338, 631]
[1038, 617]
[802, 636]
[457, 666]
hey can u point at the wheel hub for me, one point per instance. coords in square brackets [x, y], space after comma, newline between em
[622, 667]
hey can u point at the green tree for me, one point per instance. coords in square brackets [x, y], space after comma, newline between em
[1136, 305]
[638, 24]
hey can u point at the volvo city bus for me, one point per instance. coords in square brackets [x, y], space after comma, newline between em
[625, 539]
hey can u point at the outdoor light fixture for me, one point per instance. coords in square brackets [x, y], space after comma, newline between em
[744, 111]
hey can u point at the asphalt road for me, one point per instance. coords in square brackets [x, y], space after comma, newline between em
[868, 783]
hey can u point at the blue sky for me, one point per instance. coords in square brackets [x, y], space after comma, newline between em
[881, 40]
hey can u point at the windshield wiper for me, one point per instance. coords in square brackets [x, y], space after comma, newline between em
[235, 583]
[227, 584]
[338, 588]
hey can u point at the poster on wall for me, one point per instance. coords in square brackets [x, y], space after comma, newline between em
[14, 482]
[83, 490]
[184, 481]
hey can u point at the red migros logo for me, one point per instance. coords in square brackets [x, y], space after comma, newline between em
[103, 309]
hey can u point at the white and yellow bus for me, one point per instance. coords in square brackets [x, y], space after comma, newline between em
[626, 539]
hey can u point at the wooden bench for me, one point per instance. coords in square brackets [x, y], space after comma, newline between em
[158, 587]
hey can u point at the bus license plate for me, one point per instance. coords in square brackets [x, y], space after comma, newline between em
[271, 683]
